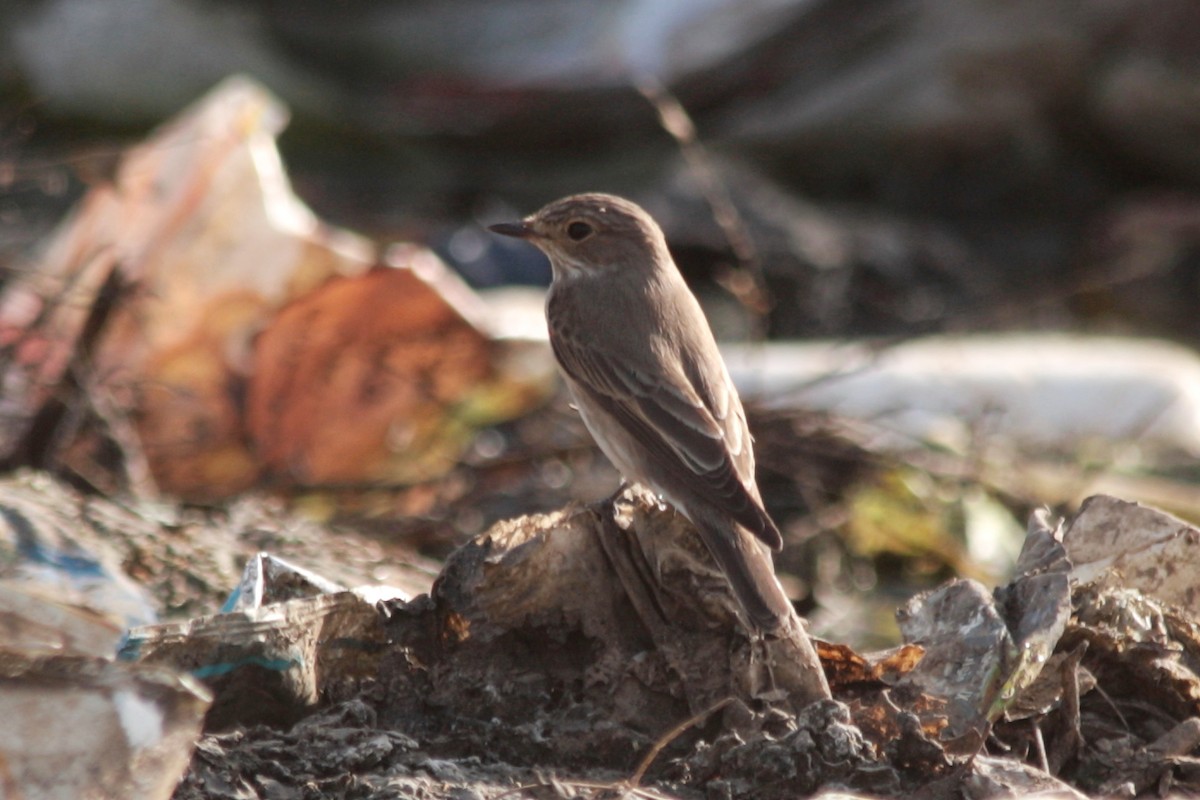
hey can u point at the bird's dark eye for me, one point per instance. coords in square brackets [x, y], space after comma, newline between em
[578, 231]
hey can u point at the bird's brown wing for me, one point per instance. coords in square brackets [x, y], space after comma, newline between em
[666, 414]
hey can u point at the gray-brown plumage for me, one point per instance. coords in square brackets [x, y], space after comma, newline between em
[644, 371]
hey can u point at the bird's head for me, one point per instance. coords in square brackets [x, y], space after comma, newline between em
[588, 234]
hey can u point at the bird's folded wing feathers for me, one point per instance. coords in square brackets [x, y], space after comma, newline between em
[669, 418]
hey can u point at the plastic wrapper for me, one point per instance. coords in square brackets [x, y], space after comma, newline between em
[77, 727]
[273, 662]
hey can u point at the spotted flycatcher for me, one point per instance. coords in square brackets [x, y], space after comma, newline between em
[644, 371]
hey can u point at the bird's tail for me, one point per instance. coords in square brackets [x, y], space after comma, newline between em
[747, 565]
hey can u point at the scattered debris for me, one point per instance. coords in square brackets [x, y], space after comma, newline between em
[177, 310]
[80, 726]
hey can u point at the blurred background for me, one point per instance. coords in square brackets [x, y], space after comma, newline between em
[900, 166]
[858, 169]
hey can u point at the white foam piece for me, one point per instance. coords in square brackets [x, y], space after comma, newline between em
[1047, 391]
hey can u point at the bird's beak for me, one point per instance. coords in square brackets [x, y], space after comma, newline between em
[521, 230]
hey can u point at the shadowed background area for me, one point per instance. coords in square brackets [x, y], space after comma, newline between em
[880, 170]
[899, 166]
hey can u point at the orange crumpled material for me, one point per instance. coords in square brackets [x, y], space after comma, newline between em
[239, 339]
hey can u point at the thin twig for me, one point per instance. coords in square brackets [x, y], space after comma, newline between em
[632, 784]
[671, 736]
[747, 286]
